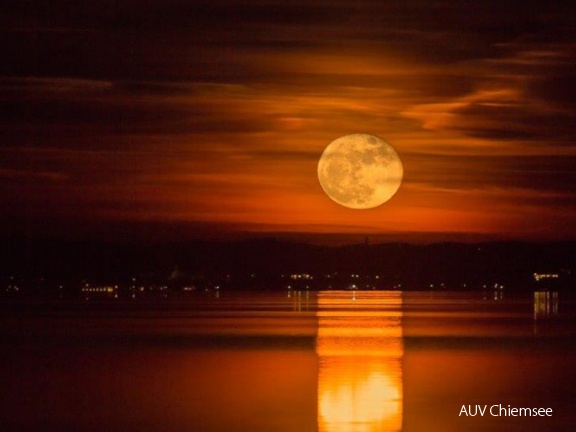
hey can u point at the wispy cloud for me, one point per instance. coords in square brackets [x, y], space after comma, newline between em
[21, 174]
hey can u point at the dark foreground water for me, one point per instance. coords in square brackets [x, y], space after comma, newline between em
[298, 361]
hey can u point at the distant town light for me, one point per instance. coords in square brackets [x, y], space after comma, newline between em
[540, 276]
[305, 276]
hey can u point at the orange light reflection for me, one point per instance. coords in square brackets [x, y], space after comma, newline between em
[360, 353]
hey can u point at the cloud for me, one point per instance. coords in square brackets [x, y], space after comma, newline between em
[22, 174]
[54, 84]
[526, 96]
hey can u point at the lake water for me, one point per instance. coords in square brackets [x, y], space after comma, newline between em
[289, 361]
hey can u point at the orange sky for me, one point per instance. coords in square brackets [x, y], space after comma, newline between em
[212, 121]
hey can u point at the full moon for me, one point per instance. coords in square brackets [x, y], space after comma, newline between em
[360, 171]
